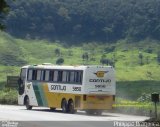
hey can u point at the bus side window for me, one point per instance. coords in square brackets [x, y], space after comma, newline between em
[51, 75]
[78, 77]
[60, 76]
[55, 79]
[34, 75]
[43, 73]
[81, 76]
[30, 74]
[68, 73]
[64, 76]
[46, 75]
[38, 75]
[71, 78]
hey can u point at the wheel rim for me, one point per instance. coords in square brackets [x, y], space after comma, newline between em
[64, 109]
[71, 107]
[28, 104]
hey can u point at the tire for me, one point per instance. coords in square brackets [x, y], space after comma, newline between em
[71, 107]
[52, 109]
[27, 104]
[64, 106]
[99, 112]
[90, 112]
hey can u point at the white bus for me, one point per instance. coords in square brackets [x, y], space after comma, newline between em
[90, 88]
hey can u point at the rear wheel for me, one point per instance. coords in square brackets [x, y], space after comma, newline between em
[27, 103]
[90, 112]
[52, 109]
[64, 106]
[71, 107]
[99, 112]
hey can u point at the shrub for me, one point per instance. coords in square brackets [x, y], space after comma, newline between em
[60, 61]
[8, 96]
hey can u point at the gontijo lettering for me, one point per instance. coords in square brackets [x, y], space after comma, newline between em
[100, 80]
[58, 87]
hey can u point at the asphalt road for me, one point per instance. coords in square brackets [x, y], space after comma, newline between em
[18, 116]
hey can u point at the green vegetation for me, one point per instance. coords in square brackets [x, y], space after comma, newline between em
[77, 21]
[16, 52]
[3, 11]
[132, 90]
[8, 96]
[145, 108]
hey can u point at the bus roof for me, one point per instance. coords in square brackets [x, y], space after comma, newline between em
[52, 66]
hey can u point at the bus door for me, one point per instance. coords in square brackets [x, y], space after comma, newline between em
[21, 82]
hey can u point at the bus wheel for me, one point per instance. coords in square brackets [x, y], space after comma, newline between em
[90, 112]
[27, 103]
[71, 107]
[99, 112]
[52, 109]
[64, 106]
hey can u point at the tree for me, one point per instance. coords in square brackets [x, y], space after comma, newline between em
[77, 21]
[3, 10]
[85, 56]
[60, 61]
[141, 58]
[105, 61]
[57, 52]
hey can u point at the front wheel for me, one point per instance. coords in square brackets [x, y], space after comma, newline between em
[27, 103]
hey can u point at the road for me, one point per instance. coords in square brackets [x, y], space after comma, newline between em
[44, 117]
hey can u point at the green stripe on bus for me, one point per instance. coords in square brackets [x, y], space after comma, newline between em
[44, 100]
[37, 93]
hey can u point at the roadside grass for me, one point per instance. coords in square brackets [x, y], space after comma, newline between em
[8, 96]
[136, 108]
[132, 90]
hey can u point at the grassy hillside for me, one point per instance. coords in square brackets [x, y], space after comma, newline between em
[15, 53]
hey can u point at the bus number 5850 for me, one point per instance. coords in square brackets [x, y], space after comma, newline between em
[76, 88]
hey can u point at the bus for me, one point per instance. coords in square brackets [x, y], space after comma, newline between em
[86, 87]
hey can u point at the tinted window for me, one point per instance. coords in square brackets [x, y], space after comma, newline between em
[55, 79]
[62, 76]
[38, 75]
